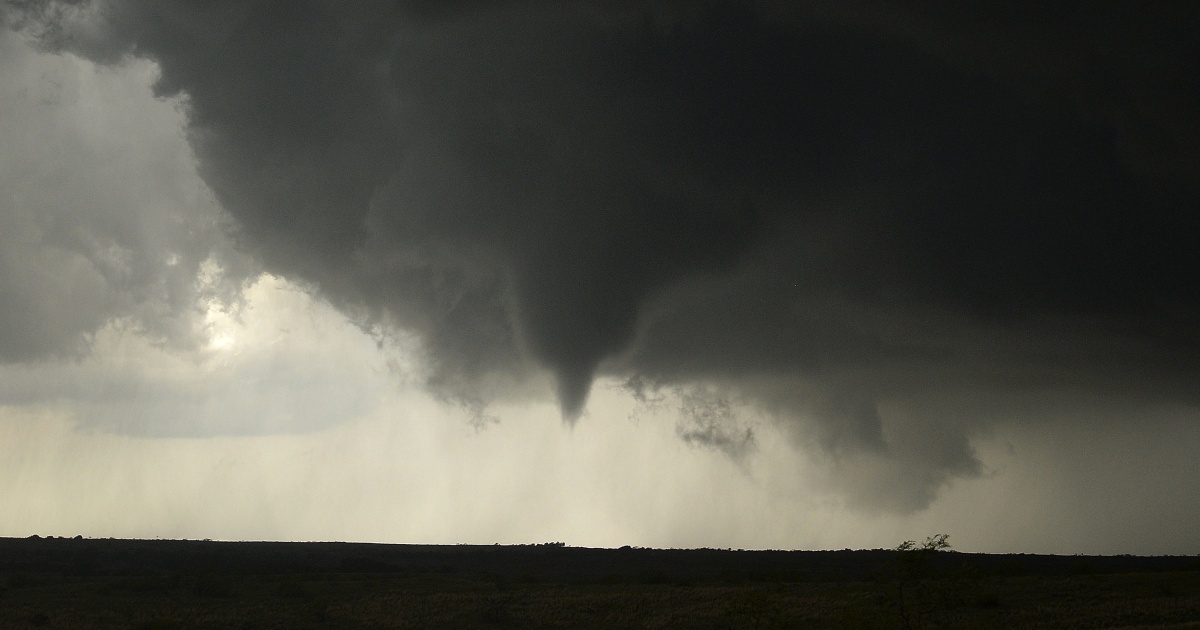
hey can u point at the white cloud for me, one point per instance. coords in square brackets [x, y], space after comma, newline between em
[279, 363]
[103, 214]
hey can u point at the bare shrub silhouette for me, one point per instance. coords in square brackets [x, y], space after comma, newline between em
[915, 597]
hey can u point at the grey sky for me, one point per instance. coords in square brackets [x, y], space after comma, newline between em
[874, 237]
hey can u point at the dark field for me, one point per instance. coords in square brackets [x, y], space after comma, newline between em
[76, 583]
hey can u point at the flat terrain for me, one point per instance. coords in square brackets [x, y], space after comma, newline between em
[78, 583]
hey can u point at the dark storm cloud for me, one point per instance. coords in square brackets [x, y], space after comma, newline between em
[844, 213]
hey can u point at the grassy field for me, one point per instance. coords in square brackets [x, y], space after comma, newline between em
[70, 583]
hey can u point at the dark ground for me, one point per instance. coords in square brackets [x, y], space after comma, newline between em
[78, 583]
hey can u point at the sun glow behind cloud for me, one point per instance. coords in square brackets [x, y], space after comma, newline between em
[221, 339]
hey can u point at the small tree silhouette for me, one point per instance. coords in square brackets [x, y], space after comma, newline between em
[936, 542]
[915, 600]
